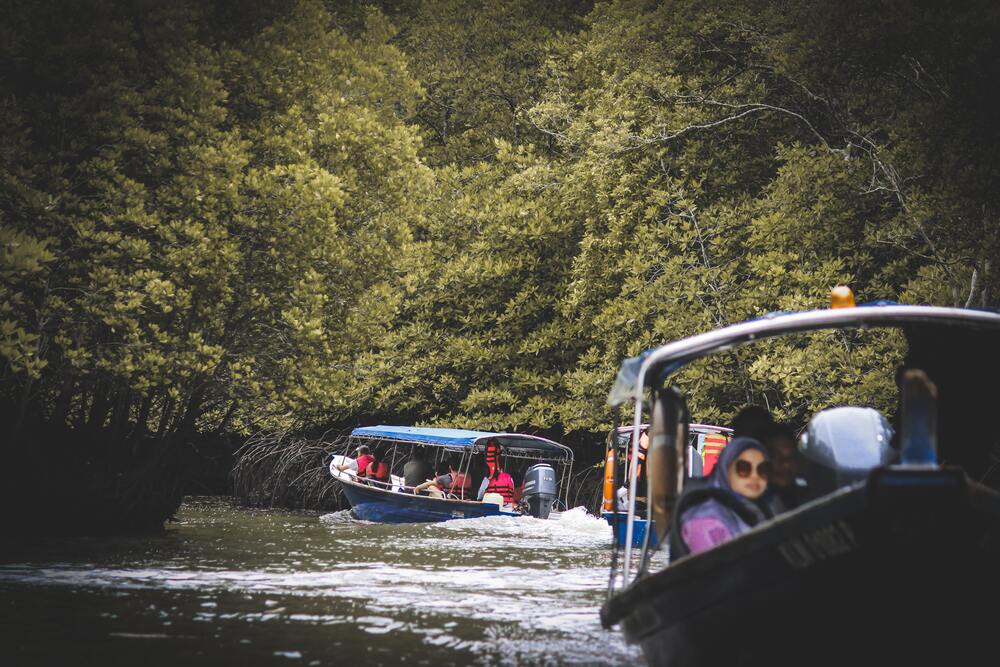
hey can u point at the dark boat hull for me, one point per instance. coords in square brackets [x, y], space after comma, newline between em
[896, 568]
[382, 506]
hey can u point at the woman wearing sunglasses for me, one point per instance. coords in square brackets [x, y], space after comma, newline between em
[730, 501]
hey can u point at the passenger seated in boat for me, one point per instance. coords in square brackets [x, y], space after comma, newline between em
[497, 481]
[359, 464]
[416, 469]
[728, 504]
[378, 469]
[785, 490]
[450, 482]
[640, 474]
[752, 421]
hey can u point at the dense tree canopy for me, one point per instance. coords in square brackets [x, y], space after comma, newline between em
[215, 218]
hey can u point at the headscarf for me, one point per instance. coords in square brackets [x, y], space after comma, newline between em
[735, 510]
[719, 477]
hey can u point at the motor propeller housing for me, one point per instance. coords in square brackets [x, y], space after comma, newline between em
[540, 490]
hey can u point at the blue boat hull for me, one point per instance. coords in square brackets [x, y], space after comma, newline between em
[381, 506]
[638, 529]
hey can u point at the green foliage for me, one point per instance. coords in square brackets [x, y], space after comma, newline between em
[221, 218]
[186, 222]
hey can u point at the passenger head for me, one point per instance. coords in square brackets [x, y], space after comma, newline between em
[781, 445]
[443, 465]
[752, 421]
[362, 450]
[744, 468]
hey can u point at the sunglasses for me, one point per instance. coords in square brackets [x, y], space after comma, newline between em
[744, 468]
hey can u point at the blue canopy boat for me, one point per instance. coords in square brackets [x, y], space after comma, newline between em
[539, 467]
[892, 559]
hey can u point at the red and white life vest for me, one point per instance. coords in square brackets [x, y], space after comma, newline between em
[502, 484]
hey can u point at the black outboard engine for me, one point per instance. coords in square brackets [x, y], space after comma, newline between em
[842, 446]
[540, 490]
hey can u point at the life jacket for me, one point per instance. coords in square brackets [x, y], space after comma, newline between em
[502, 484]
[363, 462]
[712, 446]
[460, 484]
[379, 471]
[492, 457]
[640, 470]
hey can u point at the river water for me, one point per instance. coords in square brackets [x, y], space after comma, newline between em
[228, 585]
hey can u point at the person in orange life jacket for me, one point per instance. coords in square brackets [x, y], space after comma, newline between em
[449, 481]
[640, 474]
[497, 481]
[360, 463]
[377, 468]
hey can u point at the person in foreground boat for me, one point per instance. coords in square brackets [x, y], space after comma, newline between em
[786, 489]
[731, 500]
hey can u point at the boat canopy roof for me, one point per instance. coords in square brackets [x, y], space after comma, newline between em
[624, 433]
[474, 441]
[654, 365]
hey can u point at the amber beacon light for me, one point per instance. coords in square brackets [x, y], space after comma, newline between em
[842, 297]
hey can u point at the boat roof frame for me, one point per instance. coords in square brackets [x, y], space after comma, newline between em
[665, 360]
[517, 445]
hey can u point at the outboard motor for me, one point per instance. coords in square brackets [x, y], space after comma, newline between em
[842, 446]
[540, 490]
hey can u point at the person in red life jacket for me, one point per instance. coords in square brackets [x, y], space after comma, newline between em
[362, 457]
[450, 481]
[497, 481]
[377, 469]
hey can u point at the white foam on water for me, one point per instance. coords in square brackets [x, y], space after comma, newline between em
[343, 517]
[573, 529]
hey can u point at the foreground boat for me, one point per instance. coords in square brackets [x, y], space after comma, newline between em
[895, 563]
[539, 467]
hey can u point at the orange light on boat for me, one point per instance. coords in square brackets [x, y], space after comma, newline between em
[842, 297]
